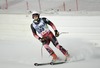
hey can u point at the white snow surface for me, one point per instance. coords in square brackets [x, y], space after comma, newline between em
[19, 49]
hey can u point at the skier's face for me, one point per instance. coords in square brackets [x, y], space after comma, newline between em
[35, 16]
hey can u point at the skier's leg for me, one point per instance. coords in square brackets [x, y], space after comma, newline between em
[50, 51]
[64, 51]
[56, 44]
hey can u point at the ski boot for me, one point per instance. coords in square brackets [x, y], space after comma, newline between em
[67, 57]
[55, 58]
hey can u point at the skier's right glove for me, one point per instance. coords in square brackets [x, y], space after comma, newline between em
[43, 40]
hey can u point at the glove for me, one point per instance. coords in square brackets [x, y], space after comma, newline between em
[41, 39]
[56, 33]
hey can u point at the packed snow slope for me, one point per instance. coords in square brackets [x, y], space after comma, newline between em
[19, 49]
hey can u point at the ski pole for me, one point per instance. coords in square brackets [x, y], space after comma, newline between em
[42, 51]
[63, 33]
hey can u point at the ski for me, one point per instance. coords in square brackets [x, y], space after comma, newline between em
[56, 63]
[51, 63]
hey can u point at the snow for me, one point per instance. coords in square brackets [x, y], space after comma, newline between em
[19, 49]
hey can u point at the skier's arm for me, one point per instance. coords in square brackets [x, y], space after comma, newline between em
[54, 28]
[34, 32]
[52, 25]
[49, 23]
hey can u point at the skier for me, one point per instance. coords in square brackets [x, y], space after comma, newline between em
[40, 26]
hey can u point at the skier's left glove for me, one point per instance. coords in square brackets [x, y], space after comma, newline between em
[56, 33]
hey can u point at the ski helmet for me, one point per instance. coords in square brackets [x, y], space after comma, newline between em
[35, 13]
